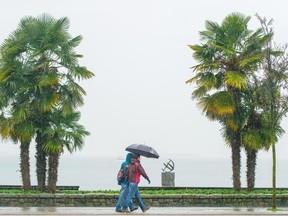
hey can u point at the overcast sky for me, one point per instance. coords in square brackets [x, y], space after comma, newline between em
[139, 54]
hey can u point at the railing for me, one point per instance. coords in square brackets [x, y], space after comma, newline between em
[15, 187]
[205, 188]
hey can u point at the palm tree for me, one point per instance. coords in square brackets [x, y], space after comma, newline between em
[41, 68]
[15, 125]
[254, 139]
[19, 132]
[64, 133]
[230, 53]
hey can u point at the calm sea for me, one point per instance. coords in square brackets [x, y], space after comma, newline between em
[95, 173]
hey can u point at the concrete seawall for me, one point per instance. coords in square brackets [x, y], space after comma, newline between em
[109, 200]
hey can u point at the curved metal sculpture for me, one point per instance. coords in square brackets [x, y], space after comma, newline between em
[169, 166]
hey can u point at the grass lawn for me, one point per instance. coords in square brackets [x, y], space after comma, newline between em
[180, 191]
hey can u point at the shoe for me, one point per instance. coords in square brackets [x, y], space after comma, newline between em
[119, 210]
[125, 211]
[146, 209]
[134, 209]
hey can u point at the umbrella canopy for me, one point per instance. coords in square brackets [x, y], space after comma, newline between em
[143, 150]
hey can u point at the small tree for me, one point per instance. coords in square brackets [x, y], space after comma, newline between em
[272, 94]
[64, 133]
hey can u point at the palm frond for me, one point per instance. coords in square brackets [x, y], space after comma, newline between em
[219, 104]
[199, 92]
[253, 139]
[24, 131]
[236, 80]
[47, 102]
[48, 79]
[231, 124]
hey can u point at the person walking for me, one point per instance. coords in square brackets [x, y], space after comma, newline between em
[135, 170]
[124, 186]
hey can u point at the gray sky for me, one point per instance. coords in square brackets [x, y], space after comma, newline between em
[138, 51]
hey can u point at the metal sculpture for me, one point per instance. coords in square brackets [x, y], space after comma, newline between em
[169, 166]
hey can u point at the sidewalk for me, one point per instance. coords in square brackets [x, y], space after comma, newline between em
[194, 211]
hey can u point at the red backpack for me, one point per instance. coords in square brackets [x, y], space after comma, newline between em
[122, 174]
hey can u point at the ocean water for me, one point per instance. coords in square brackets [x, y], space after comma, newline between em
[99, 173]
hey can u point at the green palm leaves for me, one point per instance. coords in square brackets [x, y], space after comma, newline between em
[65, 132]
[227, 59]
[39, 88]
[230, 54]
[219, 105]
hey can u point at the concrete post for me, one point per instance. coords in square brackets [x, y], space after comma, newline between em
[168, 179]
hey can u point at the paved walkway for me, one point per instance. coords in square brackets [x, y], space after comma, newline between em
[194, 211]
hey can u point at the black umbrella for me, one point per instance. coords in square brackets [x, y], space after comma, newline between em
[142, 150]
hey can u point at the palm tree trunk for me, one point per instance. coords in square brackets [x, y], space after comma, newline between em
[53, 171]
[251, 167]
[236, 163]
[273, 177]
[40, 164]
[25, 165]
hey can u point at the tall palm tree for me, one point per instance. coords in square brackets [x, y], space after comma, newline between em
[39, 64]
[19, 132]
[15, 125]
[229, 54]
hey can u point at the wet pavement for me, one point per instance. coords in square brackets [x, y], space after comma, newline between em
[170, 211]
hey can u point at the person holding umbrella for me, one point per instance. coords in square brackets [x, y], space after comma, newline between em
[124, 187]
[135, 170]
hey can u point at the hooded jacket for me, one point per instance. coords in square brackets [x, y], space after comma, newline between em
[135, 170]
[125, 164]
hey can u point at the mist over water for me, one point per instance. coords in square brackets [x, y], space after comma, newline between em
[99, 173]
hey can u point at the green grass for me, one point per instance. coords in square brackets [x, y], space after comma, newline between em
[274, 209]
[186, 191]
[155, 192]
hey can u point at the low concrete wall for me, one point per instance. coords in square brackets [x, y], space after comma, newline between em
[106, 200]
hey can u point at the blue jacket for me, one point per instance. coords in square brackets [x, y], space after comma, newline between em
[124, 165]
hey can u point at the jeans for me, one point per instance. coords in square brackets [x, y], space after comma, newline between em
[122, 197]
[134, 191]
